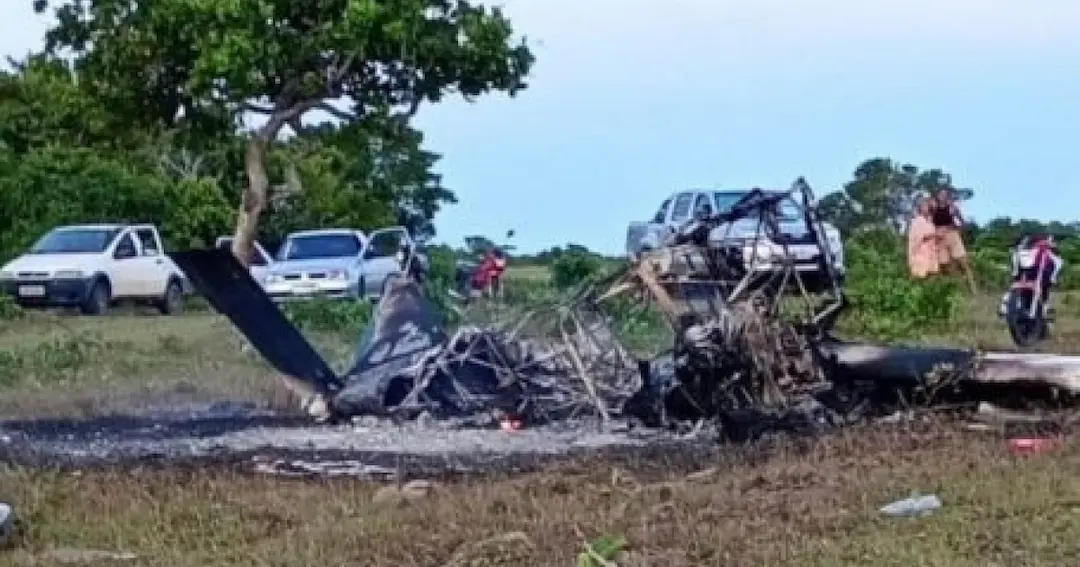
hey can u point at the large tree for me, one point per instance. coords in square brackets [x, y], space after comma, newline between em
[202, 65]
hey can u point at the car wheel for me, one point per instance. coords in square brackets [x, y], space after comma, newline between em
[170, 302]
[97, 300]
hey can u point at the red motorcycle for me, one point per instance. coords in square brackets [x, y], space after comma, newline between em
[482, 279]
[1025, 304]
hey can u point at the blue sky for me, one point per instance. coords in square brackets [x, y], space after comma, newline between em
[634, 99]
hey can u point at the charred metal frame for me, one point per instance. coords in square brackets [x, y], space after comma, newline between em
[688, 265]
[735, 345]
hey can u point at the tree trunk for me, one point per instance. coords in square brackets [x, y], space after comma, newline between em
[254, 198]
[255, 194]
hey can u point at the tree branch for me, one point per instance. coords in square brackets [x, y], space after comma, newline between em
[335, 73]
[336, 112]
[414, 106]
[256, 108]
[281, 117]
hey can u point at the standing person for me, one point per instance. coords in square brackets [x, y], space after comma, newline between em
[945, 215]
[922, 242]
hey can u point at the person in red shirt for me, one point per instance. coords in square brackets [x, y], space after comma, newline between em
[488, 275]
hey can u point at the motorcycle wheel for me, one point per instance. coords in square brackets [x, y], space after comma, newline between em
[1024, 329]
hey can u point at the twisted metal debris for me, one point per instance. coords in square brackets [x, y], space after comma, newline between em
[746, 326]
[546, 364]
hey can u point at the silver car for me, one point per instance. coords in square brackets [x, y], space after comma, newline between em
[336, 263]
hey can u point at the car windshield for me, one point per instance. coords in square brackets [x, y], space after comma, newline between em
[789, 210]
[320, 246]
[74, 241]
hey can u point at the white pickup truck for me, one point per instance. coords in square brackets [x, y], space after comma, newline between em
[681, 207]
[338, 263]
[93, 266]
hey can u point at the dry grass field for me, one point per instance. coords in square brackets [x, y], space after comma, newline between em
[813, 505]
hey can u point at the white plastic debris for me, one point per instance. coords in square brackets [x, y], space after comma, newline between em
[75, 556]
[914, 506]
[7, 524]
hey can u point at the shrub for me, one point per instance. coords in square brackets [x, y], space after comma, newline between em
[886, 303]
[329, 315]
[574, 267]
[441, 262]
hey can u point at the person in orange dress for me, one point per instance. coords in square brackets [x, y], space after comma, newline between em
[922, 250]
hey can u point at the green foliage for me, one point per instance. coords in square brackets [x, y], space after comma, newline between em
[641, 329]
[441, 266]
[530, 292]
[338, 316]
[62, 357]
[574, 268]
[42, 105]
[9, 310]
[601, 551]
[182, 55]
[886, 303]
[440, 280]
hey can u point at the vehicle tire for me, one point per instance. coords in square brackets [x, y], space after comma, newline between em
[97, 299]
[170, 302]
[1024, 330]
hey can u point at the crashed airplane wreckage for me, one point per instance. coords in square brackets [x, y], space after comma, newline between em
[751, 341]
[407, 363]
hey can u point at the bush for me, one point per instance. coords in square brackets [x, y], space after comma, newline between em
[886, 303]
[574, 267]
[329, 315]
[441, 262]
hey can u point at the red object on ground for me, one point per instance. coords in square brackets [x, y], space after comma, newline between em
[1024, 446]
[510, 423]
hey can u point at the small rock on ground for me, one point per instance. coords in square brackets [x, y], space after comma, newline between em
[410, 492]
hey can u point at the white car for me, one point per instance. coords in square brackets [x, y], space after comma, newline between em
[93, 266]
[338, 263]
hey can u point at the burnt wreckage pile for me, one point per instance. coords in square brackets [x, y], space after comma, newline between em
[751, 340]
[748, 324]
[406, 363]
